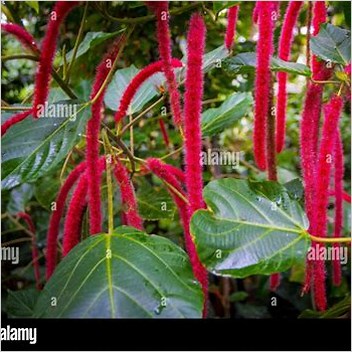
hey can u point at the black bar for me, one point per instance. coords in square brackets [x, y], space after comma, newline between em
[205, 335]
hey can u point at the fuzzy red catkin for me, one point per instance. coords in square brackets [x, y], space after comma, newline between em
[345, 196]
[160, 9]
[48, 47]
[338, 223]
[128, 196]
[76, 209]
[332, 112]
[21, 34]
[169, 174]
[137, 81]
[193, 109]
[193, 138]
[262, 80]
[164, 132]
[255, 13]
[54, 223]
[15, 119]
[285, 43]
[35, 253]
[232, 14]
[93, 129]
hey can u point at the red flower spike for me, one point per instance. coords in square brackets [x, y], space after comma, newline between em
[164, 172]
[14, 119]
[262, 80]
[319, 71]
[255, 12]
[22, 35]
[54, 224]
[128, 196]
[332, 112]
[193, 108]
[35, 253]
[164, 132]
[93, 129]
[76, 209]
[232, 14]
[136, 82]
[285, 44]
[338, 223]
[48, 47]
[160, 9]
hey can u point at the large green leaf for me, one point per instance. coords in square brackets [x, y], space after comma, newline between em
[249, 228]
[32, 148]
[155, 203]
[233, 108]
[246, 62]
[121, 80]
[91, 40]
[21, 304]
[332, 43]
[128, 274]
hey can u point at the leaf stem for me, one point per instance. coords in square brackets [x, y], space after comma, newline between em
[330, 239]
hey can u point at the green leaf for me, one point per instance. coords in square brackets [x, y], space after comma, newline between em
[332, 44]
[19, 197]
[121, 80]
[91, 40]
[238, 296]
[32, 148]
[233, 108]
[20, 304]
[218, 6]
[338, 310]
[155, 203]
[249, 228]
[246, 62]
[46, 190]
[127, 274]
[34, 5]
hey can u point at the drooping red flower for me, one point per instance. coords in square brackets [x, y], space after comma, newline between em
[93, 128]
[35, 253]
[160, 9]
[128, 196]
[262, 80]
[338, 223]
[285, 44]
[232, 14]
[54, 223]
[137, 81]
[21, 34]
[193, 109]
[15, 119]
[164, 132]
[166, 174]
[48, 47]
[332, 112]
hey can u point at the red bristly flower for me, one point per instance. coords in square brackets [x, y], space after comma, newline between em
[15, 119]
[76, 209]
[285, 44]
[21, 34]
[136, 82]
[164, 132]
[128, 196]
[48, 47]
[160, 9]
[35, 253]
[338, 223]
[193, 138]
[262, 80]
[54, 224]
[169, 174]
[231, 26]
[93, 128]
[332, 112]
